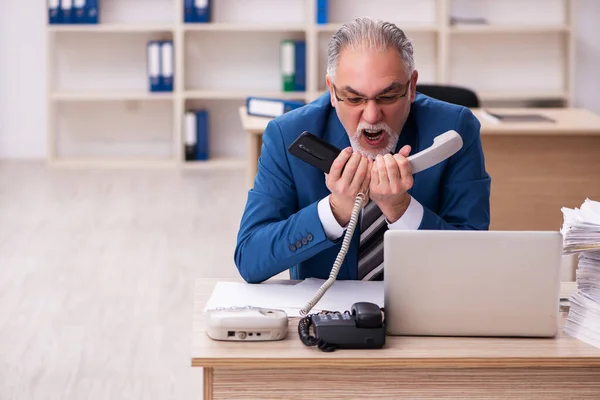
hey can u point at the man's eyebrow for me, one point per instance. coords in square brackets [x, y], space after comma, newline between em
[391, 87]
[349, 89]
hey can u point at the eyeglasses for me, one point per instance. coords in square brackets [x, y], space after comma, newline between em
[384, 99]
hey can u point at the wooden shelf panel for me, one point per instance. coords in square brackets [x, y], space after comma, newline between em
[114, 28]
[243, 27]
[241, 94]
[112, 162]
[334, 27]
[110, 96]
[218, 163]
[516, 29]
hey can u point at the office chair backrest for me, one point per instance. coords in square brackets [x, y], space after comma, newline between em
[451, 94]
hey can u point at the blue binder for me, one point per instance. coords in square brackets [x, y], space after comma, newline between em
[270, 108]
[79, 11]
[66, 7]
[188, 11]
[167, 65]
[154, 67]
[54, 12]
[202, 11]
[322, 11]
[92, 9]
[300, 66]
[202, 130]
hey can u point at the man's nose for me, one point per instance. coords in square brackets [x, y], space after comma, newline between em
[372, 112]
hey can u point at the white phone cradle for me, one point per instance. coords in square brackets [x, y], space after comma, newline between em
[246, 324]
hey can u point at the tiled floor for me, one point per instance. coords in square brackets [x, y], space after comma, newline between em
[97, 269]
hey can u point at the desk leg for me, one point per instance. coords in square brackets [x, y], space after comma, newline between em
[208, 383]
[254, 147]
[400, 383]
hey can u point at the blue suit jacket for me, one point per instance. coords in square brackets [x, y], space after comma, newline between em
[280, 228]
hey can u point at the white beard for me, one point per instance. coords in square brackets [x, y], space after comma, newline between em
[391, 135]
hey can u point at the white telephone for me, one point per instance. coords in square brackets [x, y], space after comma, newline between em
[250, 324]
[320, 154]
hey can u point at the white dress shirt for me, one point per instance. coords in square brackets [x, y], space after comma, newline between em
[410, 220]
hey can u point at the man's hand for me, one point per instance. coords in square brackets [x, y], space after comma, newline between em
[345, 185]
[391, 177]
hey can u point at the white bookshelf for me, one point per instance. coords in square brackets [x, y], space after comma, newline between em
[100, 111]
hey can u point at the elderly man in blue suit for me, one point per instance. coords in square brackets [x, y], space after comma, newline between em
[295, 216]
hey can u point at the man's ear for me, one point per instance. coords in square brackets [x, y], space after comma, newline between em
[413, 85]
[329, 83]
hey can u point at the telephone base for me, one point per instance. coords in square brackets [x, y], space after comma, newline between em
[246, 324]
[347, 335]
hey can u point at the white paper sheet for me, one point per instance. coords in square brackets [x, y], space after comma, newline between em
[292, 297]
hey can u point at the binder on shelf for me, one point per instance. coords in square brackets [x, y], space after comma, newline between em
[202, 131]
[153, 61]
[79, 11]
[167, 63]
[322, 14]
[91, 12]
[66, 8]
[197, 11]
[293, 65]
[54, 12]
[189, 136]
[300, 66]
[287, 65]
[271, 108]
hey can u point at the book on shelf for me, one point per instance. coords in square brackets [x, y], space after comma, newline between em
[197, 11]
[581, 236]
[73, 11]
[196, 135]
[293, 65]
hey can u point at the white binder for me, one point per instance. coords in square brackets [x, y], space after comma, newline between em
[167, 66]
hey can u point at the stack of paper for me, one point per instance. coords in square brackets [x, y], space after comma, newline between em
[581, 235]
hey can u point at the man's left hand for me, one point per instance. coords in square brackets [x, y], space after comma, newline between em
[391, 177]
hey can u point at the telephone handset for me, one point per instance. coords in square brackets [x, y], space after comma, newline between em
[321, 154]
[361, 328]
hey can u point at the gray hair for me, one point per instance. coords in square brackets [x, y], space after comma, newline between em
[366, 32]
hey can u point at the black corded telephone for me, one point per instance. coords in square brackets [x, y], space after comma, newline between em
[361, 328]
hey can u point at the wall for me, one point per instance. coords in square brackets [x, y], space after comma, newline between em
[23, 73]
[587, 60]
[23, 79]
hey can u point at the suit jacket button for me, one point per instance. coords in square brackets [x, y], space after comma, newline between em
[309, 237]
[292, 247]
[304, 241]
[298, 244]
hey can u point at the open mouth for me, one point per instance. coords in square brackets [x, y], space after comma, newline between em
[373, 137]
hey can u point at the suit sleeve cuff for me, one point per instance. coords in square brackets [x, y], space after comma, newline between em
[411, 220]
[333, 230]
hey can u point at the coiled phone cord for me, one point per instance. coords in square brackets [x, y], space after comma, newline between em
[340, 257]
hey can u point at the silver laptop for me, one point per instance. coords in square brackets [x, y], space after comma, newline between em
[472, 283]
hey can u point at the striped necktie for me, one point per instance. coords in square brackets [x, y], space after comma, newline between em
[370, 250]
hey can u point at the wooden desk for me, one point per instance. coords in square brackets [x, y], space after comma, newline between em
[536, 168]
[415, 367]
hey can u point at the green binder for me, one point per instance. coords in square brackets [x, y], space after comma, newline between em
[286, 66]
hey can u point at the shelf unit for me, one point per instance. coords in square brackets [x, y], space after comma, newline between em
[101, 112]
